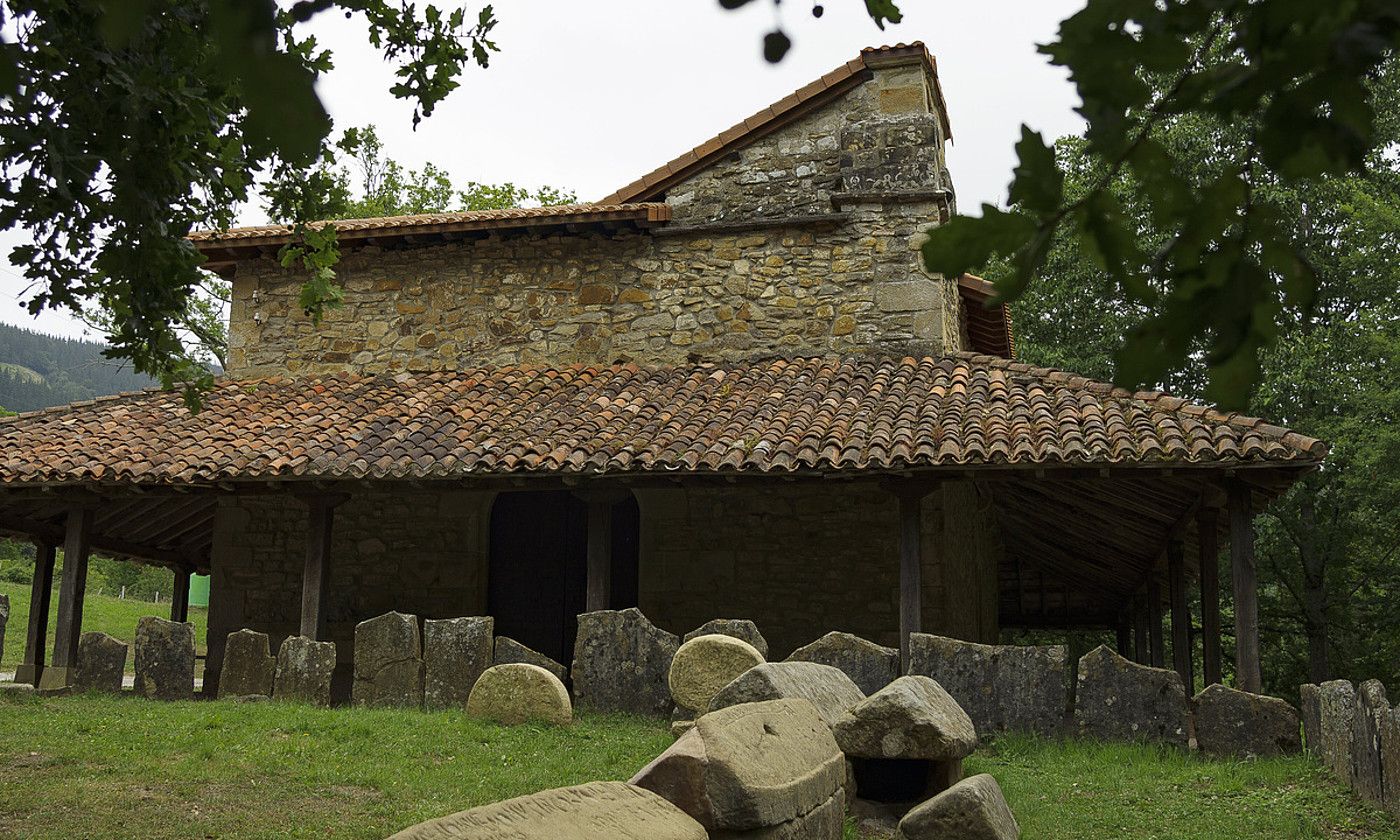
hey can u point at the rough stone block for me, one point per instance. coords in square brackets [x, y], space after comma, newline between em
[621, 663]
[1003, 688]
[870, 666]
[388, 662]
[1337, 700]
[911, 718]
[1390, 761]
[752, 766]
[164, 659]
[973, 809]
[824, 822]
[101, 663]
[827, 688]
[1244, 725]
[249, 667]
[706, 664]
[909, 296]
[1119, 700]
[515, 693]
[304, 670]
[585, 812]
[455, 653]
[739, 628]
[1372, 708]
[1310, 701]
[508, 651]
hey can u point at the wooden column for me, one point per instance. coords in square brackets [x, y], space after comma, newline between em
[599, 592]
[1156, 657]
[40, 595]
[76, 548]
[1209, 545]
[180, 596]
[1247, 674]
[1140, 641]
[1181, 615]
[316, 573]
[911, 562]
[1125, 636]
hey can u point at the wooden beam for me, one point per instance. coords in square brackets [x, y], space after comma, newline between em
[1181, 614]
[1247, 672]
[40, 595]
[316, 571]
[911, 561]
[76, 549]
[1208, 546]
[180, 596]
[1140, 634]
[1154, 622]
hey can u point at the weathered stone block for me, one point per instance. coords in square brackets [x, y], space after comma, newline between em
[249, 667]
[1310, 701]
[973, 809]
[455, 653]
[164, 659]
[1337, 700]
[508, 651]
[515, 693]
[585, 812]
[304, 670]
[1003, 688]
[621, 663]
[827, 688]
[706, 664]
[910, 296]
[101, 663]
[870, 666]
[752, 766]
[388, 662]
[739, 628]
[1390, 761]
[911, 718]
[1372, 708]
[1120, 700]
[824, 822]
[1244, 725]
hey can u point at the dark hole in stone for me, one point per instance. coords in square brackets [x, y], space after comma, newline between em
[892, 780]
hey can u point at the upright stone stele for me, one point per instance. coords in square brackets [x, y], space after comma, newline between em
[1337, 702]
[1310, 705]
[304, 670]
[870, 666]
[249, 667]
[508, 651]
[101, 664]
[4, 620]
[1242, 725]
[621, 663]
[1372, 708]
[164, 659]
[1119, 700]
[388, 662]
[739, 628]
[1003, 688]
[706, 664]
[455, 653]
[516, 693]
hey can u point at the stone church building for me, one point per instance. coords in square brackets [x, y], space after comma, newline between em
[727, 390]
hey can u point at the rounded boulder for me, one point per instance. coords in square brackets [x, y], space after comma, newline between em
[705, 665]
[517, 692]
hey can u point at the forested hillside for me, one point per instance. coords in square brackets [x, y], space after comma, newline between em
[38, 370]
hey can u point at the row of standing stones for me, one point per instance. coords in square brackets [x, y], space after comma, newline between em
[1355, 733]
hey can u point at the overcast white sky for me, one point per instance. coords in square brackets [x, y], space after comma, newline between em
[590, 94]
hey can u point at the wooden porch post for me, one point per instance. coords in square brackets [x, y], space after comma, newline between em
[76, 547]
[1181, 615]
[911, 562]
[316, 573]
[180, 596]
[599, 592]
[1154, 622]
[1125, 636]
[1210, 594]
[1140, 653]
[1247, 673]
[40, 595]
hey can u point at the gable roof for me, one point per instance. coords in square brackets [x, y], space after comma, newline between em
[790, 108]
[808, 415]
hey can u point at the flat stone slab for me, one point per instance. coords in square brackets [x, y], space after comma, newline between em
[1372, 708]
[621, 663]
[164, 659]
[1003, 688]
[973, 809]
[1337, 708]
[508, 652]
[388, 662]
[739, 628]
[515, 693]
[1243, 725]
[827, 688]
[706, 664]
[455, 653]
[249, 667]
[752, 766]
[101, 663]
[592, 811]
[911, 718]
[1119, 700]
[304, 670]
[870, 666]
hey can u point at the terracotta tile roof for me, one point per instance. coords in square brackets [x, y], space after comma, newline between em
[824, 415]
[794, 105]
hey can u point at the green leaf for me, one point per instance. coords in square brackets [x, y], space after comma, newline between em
[1038, 185]
[883, 10]
[968, 243]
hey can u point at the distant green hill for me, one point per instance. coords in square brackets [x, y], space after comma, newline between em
[39, 370]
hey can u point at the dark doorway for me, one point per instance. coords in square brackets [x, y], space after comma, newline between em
[538, 572]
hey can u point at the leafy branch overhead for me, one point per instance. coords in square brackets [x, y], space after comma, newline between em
[1296, 73]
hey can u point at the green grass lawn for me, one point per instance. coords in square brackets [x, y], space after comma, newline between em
[100, 612]
[121, 767]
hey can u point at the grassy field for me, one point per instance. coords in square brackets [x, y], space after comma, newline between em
[100, 612]
[112, 767]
